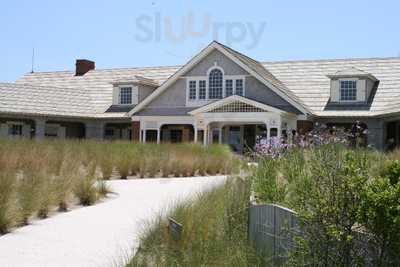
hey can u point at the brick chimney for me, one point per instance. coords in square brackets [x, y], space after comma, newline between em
[83, 66]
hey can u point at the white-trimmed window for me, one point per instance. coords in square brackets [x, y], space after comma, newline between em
[239, 87]
[228, 87]
[125, 96]
[15, 129]
[192, 90]
[202, 90]
[348, 90]
[215, 84]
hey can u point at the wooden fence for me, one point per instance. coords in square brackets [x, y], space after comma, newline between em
[271, 229]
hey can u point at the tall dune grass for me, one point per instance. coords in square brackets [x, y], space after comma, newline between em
[214, 232]
[39, 176]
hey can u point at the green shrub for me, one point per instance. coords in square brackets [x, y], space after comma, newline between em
[106, 165]
[392, 171]
[47, 196]
[270, 187]
[8, 215]
[123, 160]
[379, 213]
[348, 214]
[85, 187]
[64, 183]
[29, 195]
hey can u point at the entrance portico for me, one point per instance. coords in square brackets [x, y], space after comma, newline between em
[226, 118]
[235, 120]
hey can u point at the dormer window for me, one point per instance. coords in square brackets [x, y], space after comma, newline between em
[348, 90]
[125, 96]
[351, 85]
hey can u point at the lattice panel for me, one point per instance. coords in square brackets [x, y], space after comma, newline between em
[237, 106]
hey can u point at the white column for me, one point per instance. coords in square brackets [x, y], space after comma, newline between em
[220, 135]
[144, 135]
[205, 135]
[279, 131]
[40, 126]
[195, 134]
[158, 135]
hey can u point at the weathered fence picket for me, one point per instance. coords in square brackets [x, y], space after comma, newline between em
[271, 229]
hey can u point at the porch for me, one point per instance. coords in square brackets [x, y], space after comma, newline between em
[235, 121]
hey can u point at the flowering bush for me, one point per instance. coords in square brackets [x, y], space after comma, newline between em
[275, 147]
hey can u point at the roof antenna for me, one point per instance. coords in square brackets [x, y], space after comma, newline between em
[33, 59]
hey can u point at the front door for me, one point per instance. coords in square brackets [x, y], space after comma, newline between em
[235, 139]
[176, 136]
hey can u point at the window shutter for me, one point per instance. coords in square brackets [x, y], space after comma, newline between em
[3, 130]
[335, 94]
[115, 95]
[26, 131]
[361, 90]
[135, 95]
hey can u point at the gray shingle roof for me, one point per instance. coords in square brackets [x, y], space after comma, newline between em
[264, 72]
[96, 84]
[39, 100]
[306, 81]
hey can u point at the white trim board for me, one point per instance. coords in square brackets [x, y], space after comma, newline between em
[234, 98]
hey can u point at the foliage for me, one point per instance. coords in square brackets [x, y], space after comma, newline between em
[7, 202]
[328, 211]
[267, 182]
[392, 171]
[38, 176]
[347, 201]
[85, 187]
[379, 213]
[214, 232]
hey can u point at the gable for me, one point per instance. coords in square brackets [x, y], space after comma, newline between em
[175, 95]
[246, 64]
[215, 58]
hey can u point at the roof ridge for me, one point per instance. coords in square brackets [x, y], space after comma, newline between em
[330, 60]
[261, 62]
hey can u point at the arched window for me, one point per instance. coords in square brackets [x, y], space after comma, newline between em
[215, 84]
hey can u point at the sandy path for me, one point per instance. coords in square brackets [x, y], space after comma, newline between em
[100, 235]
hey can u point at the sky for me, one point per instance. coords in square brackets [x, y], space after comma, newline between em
[163, 33]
